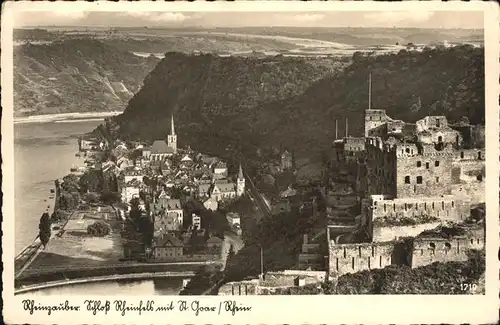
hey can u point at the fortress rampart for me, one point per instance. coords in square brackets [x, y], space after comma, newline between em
[352, 258]
[443, 207]
[416, 252]
[430, 250]
[389, 233]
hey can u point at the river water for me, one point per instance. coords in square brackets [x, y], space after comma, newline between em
[44, 152]
[165, 287]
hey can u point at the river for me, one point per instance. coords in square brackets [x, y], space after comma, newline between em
[164, 287]
[44, 152]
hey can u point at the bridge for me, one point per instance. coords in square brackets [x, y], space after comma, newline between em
[26, 256]
[134, 276]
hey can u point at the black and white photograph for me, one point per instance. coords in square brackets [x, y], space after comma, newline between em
[249, 152]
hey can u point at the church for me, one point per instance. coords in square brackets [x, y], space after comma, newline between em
[161, 149]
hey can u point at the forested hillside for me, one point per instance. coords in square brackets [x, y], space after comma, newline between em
[251, 103]
[215, 98]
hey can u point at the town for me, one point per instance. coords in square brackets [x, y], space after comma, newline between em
[170, 199]
[402, 194]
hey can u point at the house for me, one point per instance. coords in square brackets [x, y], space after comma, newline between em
[124, 163]
[172, 206]
[233, 218]
[140, 163]
[133, 174]
[146, 152]
[289, 192]
[204, 190]
[121, 148]
[164, 221]
[165, 167]
[86, 144]
[211, 204]
[129, 192]
[286, 160]
[142, 205]
[220, 168]
[234, 222]
[223, 190]
[281, 205]
[214, 245]
[167, 247]
[206, 159]
[186, 158]
[196, 221]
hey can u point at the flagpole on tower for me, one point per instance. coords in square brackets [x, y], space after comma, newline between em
[370, 92]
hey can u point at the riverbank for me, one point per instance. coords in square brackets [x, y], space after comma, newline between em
[65, 117]
[41, 142]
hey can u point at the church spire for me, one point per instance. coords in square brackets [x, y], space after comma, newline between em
[172, 127]
[240, 173]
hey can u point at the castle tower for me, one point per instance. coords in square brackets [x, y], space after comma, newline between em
[240, 183]
[172, 137]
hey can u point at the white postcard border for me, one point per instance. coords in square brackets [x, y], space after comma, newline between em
[368, 309]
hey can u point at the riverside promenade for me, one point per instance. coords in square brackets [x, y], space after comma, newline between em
[73, 257]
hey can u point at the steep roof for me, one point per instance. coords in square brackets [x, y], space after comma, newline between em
[186, 158]
[204, 187]
[210, 200]
[240, 173]
[220, 164]
[170, 204]
[160, 146]
[288, 192]
[167, 240]
[233, 215]
[225, 186]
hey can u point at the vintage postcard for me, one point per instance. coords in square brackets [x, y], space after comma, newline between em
[177, 162]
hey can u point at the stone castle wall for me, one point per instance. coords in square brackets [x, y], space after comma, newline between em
[389, 233]
[352, 258]
[430, 250]
[375, 118]
[444, 208]
[474, 192]
[423, 175]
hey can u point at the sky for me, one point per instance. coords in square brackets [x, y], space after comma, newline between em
[416, 19]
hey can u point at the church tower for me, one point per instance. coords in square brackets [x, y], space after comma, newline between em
[172, 137]
[240, 183]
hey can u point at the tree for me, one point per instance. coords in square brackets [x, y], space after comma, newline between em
[44, 229]
[99, 229]
[91, 198]
[91, 181]
[135, 211]
[177, 192]
[108, 197]
[205, 277]
[146, 228]
[58, 215]
[230, 253]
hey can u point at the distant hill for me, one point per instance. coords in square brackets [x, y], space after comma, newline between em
[250, 103]
[362, 36]
[81, 75]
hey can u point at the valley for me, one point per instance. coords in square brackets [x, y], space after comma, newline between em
[111, 63]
